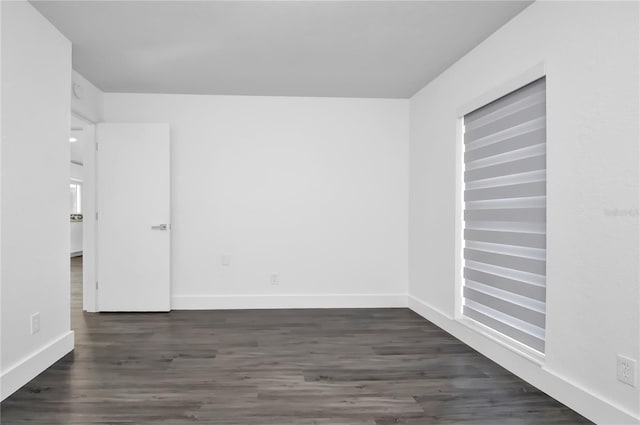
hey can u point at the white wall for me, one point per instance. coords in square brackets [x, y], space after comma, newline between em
[89, 105]
[36, 64]
[314, 189]
[590, 51]
[76, 171]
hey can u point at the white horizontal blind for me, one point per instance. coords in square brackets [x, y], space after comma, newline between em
[505, 215]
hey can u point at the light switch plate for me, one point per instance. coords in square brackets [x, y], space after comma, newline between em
[35, 323]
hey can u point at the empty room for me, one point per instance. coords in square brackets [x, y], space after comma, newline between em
[319, 212]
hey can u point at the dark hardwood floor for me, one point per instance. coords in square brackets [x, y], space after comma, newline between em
[285, 367]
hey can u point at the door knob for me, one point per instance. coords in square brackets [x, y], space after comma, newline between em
[160, 227]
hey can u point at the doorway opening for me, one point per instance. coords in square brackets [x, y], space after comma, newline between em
[81, 216]
[76, 173]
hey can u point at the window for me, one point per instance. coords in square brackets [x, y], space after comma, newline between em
[504, 285]
[76, 197]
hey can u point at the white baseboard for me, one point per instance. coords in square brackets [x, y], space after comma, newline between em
[581, 400]
[31, 366]
[245, 302]
[589, 405]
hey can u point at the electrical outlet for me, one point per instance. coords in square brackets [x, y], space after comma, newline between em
[35, 323]
[275, 279]
[225, 260]
[626, 370]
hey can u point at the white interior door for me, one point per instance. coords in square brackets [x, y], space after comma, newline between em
[133, 204]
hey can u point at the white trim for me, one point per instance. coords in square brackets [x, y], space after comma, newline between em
[592, 406]
[31, 366]
[507, 342]
[81, 117]
[242, 302]
[458, 224]
[530, 75]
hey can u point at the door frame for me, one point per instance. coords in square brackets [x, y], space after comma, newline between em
[89, 225]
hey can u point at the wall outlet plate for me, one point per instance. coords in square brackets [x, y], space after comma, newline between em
[35, 323]
[275, 279]
[626, 370]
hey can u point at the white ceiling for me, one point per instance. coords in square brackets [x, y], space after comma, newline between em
[284, 48]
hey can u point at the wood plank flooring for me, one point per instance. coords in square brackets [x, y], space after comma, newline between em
[285, 367]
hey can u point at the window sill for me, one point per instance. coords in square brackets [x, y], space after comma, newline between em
[510, 344]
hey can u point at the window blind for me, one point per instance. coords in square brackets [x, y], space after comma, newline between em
[505, 215]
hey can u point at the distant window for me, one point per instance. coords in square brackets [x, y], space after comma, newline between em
[76, 197]
[505, 209]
